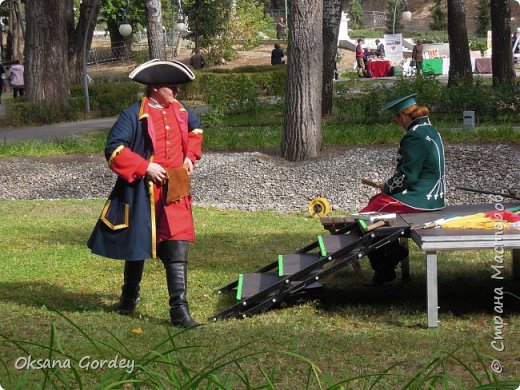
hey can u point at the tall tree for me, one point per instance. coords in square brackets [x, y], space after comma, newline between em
[438, 13]
[502, 55]
[16, 33]
[114, 12]
[302, 136]
[460, 64]
[482, 19]
[154, 29]
[331, 21]
[207, 19]
[46, 52]
[78, 32]
[356, 15]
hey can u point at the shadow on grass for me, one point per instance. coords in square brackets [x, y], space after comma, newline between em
[456, 295]
[39, 293]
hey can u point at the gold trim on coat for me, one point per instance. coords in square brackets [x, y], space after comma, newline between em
[114, 154]
[151, 191]
[142, 113]
[104, 219]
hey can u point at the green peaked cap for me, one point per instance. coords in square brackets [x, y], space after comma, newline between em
[399, 104]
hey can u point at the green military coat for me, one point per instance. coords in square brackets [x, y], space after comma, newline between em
[419, 179]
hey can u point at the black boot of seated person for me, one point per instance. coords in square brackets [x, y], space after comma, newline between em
[174, 255]
[383, 262]
[130, 290]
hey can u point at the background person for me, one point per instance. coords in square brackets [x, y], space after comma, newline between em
[277, 55]
[136, 224]
[196, 60]
[280, 28]
[16, 78]
[380, 48]
[2, 81]
[417, 55]
[418, 183]
[360, 54]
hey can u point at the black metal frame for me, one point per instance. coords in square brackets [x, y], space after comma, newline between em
[294, 283]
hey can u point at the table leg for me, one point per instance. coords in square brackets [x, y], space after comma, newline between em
[516, 264]
[431, 289]
[405, 263]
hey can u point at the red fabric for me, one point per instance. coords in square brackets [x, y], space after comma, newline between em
[503, 216]
[359, 52]
[379, 68]
[129, 165]
[168, 151]
[173, 221]
[194, 152]
[385, 203]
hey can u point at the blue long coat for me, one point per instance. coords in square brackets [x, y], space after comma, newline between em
[124, 229]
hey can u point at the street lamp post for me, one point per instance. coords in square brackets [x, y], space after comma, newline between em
[181, 27]
[406, 16]
[125, 29]
[85, 39]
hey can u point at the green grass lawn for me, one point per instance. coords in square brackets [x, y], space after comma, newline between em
[257, 134]
[53, 291]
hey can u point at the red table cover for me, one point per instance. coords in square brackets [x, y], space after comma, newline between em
[379, 68]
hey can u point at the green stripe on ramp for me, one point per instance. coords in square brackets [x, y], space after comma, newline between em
[323, 250]
[363, 225]
[280, 265]
[239, 287]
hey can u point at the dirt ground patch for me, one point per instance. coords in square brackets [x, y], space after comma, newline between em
[260, 55]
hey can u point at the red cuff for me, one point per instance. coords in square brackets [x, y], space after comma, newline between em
[129, 165]
[141, 169]
[194, 151]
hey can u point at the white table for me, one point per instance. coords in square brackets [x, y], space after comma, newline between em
[431, 241]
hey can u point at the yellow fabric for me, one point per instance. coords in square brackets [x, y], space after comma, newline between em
[475, 221]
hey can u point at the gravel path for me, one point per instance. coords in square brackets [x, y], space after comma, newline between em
[257, 181]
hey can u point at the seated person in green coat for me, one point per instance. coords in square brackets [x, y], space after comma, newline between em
[418, 183]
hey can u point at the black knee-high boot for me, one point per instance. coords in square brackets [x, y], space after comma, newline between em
[174, 255]
[384, 260]
[130, 290]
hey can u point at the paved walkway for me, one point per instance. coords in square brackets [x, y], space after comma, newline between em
[58, 130]
[62, 130]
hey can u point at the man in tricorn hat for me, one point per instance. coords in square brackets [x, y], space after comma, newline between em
[418, 183]
[149, 137]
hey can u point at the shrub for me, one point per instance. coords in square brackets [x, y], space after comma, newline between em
[439, 16]
[25, 113]
[490, 104]
[109, 100]
[431, 36]
[479, 44]
[106, 100]
[232, 94]
[267, 80]
[366, 33]
[356, 14]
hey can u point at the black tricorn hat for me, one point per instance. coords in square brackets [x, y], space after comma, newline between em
[157, 72]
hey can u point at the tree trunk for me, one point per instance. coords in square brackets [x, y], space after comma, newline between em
[460, 64]
[15, 26]
[116, 39]
[77, 34]
[502, 55]
[46, 52]
[154, 29]
[302, 123]
[331, 21]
